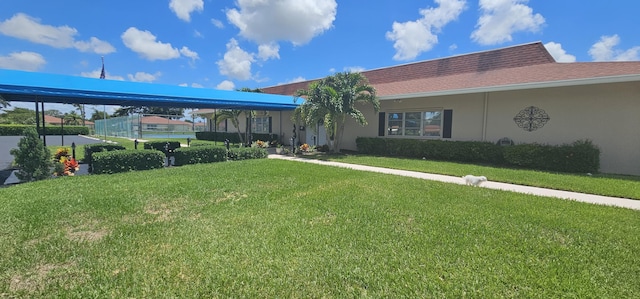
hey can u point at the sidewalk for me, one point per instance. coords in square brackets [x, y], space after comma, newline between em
[582, 197]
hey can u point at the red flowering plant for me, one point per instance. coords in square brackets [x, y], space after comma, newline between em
[305, 148]
[64, 164]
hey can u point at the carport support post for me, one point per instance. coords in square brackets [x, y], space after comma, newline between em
[62, 129]
[44, 130]
[38, 120]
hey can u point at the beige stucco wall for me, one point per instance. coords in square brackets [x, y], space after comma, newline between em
[607, 114]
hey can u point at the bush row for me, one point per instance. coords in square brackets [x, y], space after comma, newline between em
[245, 153]
[91, 149]
[579, 157]
[127, 160]
[199, 154]
[108, 158]
[233, 137]
[16, 130]
[160, 145]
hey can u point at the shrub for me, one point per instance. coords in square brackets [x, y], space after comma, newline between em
[246, 153]
[32, 157]
[161, 145]
[90, 149]
[233, 137]
[16, 130]
[458, 151]
[580, 156]
[127, 160]
[199, 154]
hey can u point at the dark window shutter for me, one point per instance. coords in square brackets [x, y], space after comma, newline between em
[381, 123]
[447, 123]
[270, 129]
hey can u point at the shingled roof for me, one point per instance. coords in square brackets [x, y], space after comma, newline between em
[521, 66]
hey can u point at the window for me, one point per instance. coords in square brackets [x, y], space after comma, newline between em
[261, 125]
[395, 124]
[417, 124]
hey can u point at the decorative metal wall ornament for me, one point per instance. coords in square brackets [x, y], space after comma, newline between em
[531, 118]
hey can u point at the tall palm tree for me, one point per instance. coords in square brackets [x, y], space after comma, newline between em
[332, 99]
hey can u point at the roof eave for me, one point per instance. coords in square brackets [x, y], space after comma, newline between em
[520, 86]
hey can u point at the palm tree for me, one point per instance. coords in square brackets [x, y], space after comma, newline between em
[4, 103]
[230, 114]
[332, 99]
[72, 118]
[83, 115]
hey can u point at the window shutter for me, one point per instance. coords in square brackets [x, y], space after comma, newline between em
[270, 129]
[447, 123]
[381, 123]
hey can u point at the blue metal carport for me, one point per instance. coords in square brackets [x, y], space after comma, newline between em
[24, 86]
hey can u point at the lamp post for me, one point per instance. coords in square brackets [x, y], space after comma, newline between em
[188, 141]
[135, 144]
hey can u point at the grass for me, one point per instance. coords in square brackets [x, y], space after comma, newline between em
[273, 228]
[600, 184]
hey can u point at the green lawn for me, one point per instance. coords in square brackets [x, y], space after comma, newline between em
[274, 228]
[600, 184]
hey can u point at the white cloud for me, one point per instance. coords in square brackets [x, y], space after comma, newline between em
[24, 61]
[96, 74]
[226, 85]
[502, 18]
[354, 69]
[143, 77]
[236, 62]
[196, 85]
[559, 54]
[265, 21]
[184, 8]
[604, 50]
[25, 27]
[217, 23]
[144, 43]
[269, 51]
[188, 53]
[414, 37]
[95, 45]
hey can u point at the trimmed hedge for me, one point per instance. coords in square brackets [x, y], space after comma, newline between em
[579, 157]
[233, 137]
[94, 148]
[127, 160]
[199, 154]
[16, 130]
[460, 151]
[246, 153]
[160, 145]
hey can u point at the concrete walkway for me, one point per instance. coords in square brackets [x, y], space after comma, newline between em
[582, 197]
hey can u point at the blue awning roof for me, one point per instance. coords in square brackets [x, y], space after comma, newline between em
[24, 86]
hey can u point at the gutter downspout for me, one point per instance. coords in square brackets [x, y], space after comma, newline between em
[484, 116]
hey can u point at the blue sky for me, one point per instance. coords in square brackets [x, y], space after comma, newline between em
[225, 44]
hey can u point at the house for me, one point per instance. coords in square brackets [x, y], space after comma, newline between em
[519, 94]
[162, 124]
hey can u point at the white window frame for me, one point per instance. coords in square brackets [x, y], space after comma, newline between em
[405, 125]
[260, 125]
